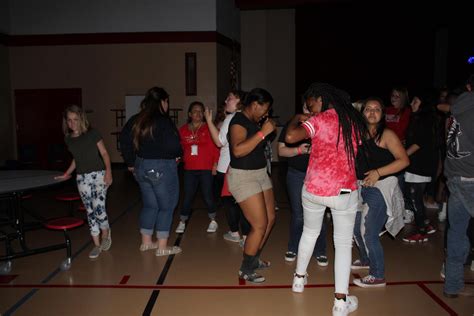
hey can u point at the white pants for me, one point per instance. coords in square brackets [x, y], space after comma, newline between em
[343, 209]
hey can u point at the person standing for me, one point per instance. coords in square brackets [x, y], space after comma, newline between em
[200, 163]
[94, 174]
[459, 170]
[235, 218]
[380, 157]
[298, 159]
[330, 182]
[248, 179]
[150, 146]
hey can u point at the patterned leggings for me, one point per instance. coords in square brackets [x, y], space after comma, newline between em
[93, 193]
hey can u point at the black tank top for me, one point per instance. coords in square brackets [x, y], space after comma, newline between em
[370, 156]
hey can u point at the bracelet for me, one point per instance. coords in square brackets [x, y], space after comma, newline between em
[260, 134]
[378, 172]
[299, 151]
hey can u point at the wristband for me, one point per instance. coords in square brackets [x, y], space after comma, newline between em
[260, 134]
[299, 151]
[378, 172]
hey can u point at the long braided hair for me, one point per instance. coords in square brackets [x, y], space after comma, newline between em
[351, 122]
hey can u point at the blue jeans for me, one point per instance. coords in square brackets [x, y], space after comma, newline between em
[367, 231]
[460, 211]
[294, 184]
[159, 185]
[192, 179]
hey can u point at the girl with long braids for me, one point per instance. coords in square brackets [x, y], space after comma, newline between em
[330, 182]
[150, 145]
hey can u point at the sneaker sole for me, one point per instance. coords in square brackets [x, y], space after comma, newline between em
[230, 239]
[360, 284]
[322, 264]
[359, 267]
[415, 241]
[94, 257]
[260, 280]
[290, 259]
[297, 289]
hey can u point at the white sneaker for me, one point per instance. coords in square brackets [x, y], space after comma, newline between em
[230, 236]
[181, 227]
[299, 283]
[343, 308]
[212, 228]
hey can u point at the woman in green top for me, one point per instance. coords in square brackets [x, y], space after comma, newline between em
[94, 175]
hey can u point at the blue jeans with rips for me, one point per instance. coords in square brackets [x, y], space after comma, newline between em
[460, 211]
[159, 186]
[294, 184]
[367, 231]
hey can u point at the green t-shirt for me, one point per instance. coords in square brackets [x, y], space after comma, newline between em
[84, 150]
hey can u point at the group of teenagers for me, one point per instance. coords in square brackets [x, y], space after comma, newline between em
[339, 158]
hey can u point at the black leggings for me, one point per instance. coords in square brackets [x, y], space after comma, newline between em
[233, 212]
[414, 193]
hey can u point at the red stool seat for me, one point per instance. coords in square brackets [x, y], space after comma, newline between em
[26, 196]
[63, 223]
[68, 197]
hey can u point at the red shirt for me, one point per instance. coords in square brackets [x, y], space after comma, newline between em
[398, 122]
[328, 170]
[205, 154]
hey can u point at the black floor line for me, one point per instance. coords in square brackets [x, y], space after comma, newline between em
[154, 295]
[31, 293]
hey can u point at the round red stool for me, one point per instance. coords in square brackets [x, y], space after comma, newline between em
[65, 224]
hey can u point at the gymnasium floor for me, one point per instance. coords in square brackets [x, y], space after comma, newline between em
[203, 280]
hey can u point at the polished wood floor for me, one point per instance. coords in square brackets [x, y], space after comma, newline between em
[202, 280]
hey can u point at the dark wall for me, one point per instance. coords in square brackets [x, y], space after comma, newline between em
[366, 50]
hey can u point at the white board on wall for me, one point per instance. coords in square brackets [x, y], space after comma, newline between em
[132, 105]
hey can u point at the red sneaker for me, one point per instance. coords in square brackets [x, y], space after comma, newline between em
[370, 281]
[416, 238]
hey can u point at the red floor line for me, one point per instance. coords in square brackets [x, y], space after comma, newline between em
[124, 279]
[241, 281]
[191, 287]
[437, 299]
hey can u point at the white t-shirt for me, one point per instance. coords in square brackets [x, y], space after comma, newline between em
[224, 158]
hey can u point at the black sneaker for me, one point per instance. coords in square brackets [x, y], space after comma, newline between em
[252, 277]
[290, 256]
[322, 261]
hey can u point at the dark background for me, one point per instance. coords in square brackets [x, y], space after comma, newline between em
[366, 49]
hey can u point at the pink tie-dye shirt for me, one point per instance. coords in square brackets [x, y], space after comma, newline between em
[328, 170]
